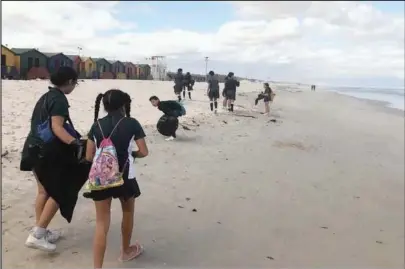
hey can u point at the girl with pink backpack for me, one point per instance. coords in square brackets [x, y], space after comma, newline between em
[110, 148]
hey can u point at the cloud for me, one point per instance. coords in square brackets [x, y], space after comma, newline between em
[309, 41]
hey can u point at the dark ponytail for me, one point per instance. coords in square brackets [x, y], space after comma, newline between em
[127, 105]
[97, 106]
[113, 100]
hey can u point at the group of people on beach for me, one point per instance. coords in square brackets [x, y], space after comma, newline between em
[181, 82]
[63, 161]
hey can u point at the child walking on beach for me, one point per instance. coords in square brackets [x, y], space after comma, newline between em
[213, 91]
[51, 152]
[123, 132]
[230, 90]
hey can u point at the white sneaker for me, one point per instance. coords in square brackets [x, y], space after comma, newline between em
[41, 243]
[53, 236]
[215, 111]
[169, 138]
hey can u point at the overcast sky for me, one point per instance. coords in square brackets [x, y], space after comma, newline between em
[340, 43]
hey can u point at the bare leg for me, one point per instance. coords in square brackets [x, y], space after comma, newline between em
[230, 105]
[266, 108]
[103, 215]
[127, 225]
[40, 201]
[48, 212]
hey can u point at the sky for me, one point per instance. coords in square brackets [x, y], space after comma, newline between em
[344, 43]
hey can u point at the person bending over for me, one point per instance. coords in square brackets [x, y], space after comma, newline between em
[267, 97]
[178, 83]
[188, 84]
[230, 90]
[171, 109]
[213, 91]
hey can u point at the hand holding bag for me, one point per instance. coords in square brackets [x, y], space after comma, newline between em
[44, 129]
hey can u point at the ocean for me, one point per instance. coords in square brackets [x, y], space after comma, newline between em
[393, 97]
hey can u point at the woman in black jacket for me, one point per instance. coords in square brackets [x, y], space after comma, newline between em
[51, 152]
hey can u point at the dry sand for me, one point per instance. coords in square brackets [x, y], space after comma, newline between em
[321, 187]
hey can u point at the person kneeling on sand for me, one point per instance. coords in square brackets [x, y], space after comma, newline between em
[116, 135]
[171, 109]
[52, 151]
[267, 96]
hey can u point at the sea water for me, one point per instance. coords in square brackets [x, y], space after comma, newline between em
[393, 97]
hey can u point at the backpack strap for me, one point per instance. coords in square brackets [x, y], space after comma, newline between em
[45, 106]
[101, 130]
[115, 127]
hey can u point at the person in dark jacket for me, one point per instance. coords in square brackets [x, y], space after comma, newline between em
[225, 101]
[267, 96]
[188, 84]
[172, 111]
[178, 83]
[213, 90]
[230, 90]
[52, 151]
[126, 133]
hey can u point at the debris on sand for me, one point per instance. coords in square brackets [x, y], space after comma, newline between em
[4, 154]
[246, 116]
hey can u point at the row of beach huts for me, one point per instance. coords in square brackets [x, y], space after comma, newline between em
[30, 63]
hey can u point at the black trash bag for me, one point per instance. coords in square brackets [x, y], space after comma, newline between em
[167, 125]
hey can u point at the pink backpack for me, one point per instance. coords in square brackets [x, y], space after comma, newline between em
[104, 172]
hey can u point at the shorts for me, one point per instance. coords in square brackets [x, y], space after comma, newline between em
[213, 94]
[130, 189]
[177, 89]
[230, 94]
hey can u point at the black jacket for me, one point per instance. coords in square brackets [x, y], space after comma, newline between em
[188, 79]
[170, 108]
[179, 79]
[231, 84]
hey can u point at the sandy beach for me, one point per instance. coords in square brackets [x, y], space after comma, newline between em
[321, 187]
